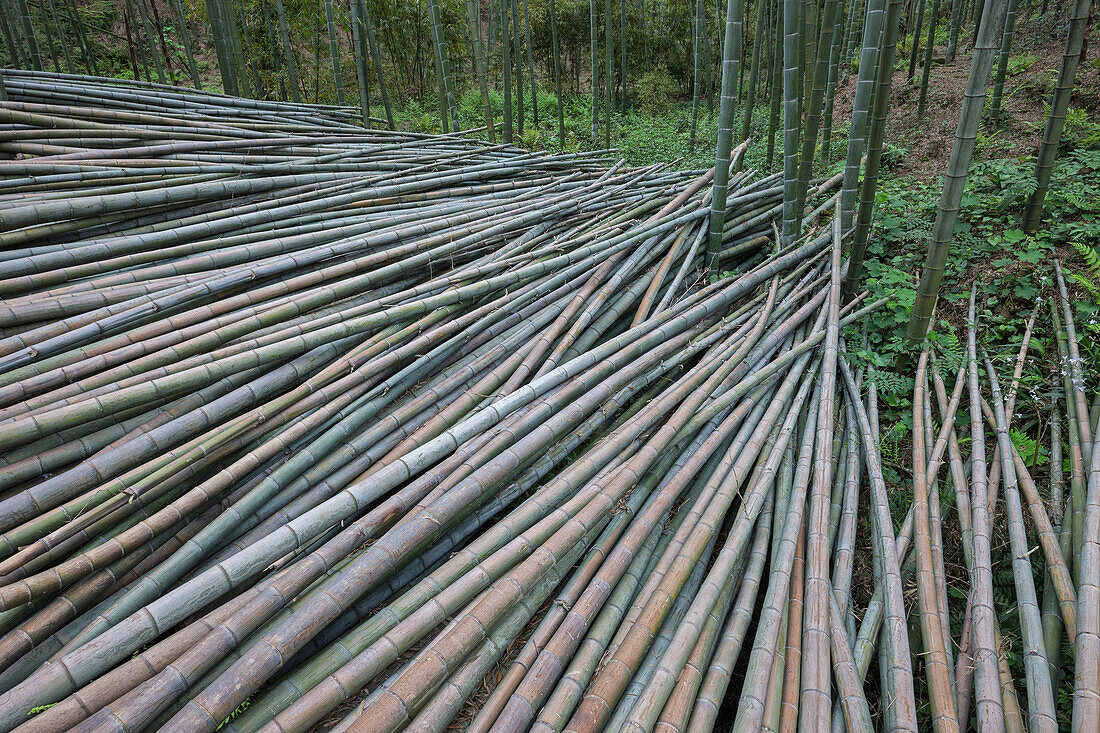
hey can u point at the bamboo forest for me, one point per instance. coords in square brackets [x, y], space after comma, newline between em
[549, 365]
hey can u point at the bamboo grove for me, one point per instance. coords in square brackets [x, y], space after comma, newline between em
[310, 422]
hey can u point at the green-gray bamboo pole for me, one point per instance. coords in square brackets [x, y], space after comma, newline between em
[51, 45]
[697, 33]
[883, 82]
[517, 69]
[334, 52]
[915, 49]
[225, 62]
[28, 33]
[240, 63]
[792, 115]
[531, 66]
[557, 77]
[926, 69]
[10, 35]
[288, 51]
[775, 71]
[185, 38]
[824, 46]
[995, 118]
[830, 86]
[861, 105]
[622, 56]
[730, 59]
[609, 70]
[62, 41]
[953, 29]
[1059, 104]
[754, 70]
[243, 38]
[479, 62]
[362, 71]
[376, 56]
[134, 38]
[506, 69]
[438, 52]
[958, 167]
[595, 67]
[89, 59]
[856, 11]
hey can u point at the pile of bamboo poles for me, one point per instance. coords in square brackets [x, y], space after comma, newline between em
[308, 424]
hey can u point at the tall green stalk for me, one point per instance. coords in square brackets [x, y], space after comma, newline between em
[240, 63]
[995, 120]
[376, 55]
[953, 29]
[697, 36]
[830, 86]
[221, 46]
[609, 71]
[517, 70]
[824, 47]
[506, 71]
[185, 37]
[883, 83]
[926, 70]
[439, 54]
[557, 76]
[334, 52]
[958, 166]
[622, 55]
[479, 62]
[775, 71]
[55, 18]
[861, 104]
[915, 46]
[1059, 104]
[730, 57]
[28, 33]
[792, 114]
[362, 75]
[754, 70]
[288, 52]
[594, 63]
[531, 66]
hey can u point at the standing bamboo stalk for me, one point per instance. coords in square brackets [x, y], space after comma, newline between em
[1059, 104]
[958, 168]
[730, 59]
[995, 117]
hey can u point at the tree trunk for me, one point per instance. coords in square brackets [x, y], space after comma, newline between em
[735, 10]
[32, 42]
[868, 67]
[334, 52]
[793, 26]
[506, 70]
[884, 83]
[995, 120]
[531, 66]
[958, 167]
[557, 76]
[288, 52]
[595, 63]
[927, 69]
[697, 27]
[754, 72]
[473, 19]
[1059, 103]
